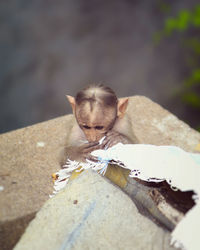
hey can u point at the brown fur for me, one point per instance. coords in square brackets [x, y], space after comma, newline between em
[97, 94]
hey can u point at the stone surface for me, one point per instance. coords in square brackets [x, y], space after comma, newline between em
[91, 213]
[155, 125]
[28, 157]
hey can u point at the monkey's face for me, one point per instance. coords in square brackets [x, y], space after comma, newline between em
[95, 122]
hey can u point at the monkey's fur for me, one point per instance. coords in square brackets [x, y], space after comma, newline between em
[97, 113]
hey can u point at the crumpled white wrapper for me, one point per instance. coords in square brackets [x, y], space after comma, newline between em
[154, 163]
[181, 169]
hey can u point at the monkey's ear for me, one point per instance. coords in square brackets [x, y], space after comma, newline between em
[72, 102]
[121, 107]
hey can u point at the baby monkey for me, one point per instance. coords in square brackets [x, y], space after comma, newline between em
[98, 113]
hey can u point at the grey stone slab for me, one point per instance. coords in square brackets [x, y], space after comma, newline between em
[91, 213]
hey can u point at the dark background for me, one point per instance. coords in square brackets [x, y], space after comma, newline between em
[51, 48]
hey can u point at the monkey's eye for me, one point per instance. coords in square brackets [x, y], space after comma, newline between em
[86, 127]
[99, 127]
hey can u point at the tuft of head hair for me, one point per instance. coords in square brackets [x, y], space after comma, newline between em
[99, 94]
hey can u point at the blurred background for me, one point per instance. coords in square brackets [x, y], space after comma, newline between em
[51, 48]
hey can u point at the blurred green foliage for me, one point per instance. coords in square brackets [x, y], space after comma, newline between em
[184, 20]
[185, 29]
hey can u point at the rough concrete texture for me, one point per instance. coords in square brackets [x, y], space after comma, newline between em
[92, 214]
[30, 155]
[155, 125]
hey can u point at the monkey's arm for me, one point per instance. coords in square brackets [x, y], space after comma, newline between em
[82, 152]
[121, 132]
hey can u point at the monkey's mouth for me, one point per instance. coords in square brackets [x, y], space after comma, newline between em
[100, 141]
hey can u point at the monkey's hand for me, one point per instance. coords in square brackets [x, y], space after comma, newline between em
[82, 152]
[113, 137]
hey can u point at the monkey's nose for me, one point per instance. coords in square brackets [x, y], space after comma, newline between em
[93, 137]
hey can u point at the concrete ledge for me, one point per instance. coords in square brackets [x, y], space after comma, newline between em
[155, 125]
[28, 157]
